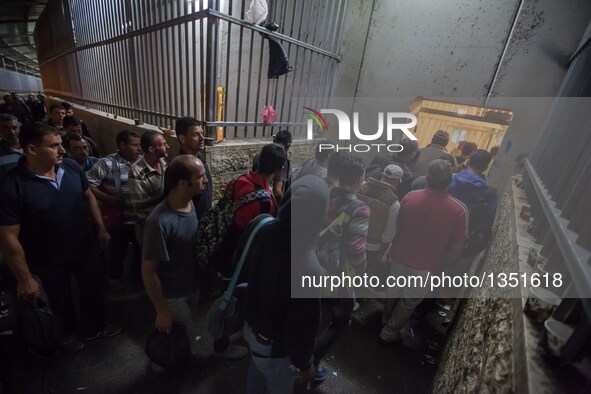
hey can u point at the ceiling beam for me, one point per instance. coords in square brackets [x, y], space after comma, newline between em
[16, 35]
[23, 3]
[6, 21]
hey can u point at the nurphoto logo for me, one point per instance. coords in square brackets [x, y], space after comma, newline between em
[390, 119]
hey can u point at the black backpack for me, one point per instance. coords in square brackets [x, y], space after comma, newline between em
[216, 223]
[479, 225]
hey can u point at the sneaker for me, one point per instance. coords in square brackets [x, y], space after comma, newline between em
[320, 375]
[384, 342]
[409, 338]
[234, 352]
[433, 345]
[110, 331]
[72, 344]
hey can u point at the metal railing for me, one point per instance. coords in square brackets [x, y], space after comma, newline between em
[556, 180]
[18, 67]
[159, 60]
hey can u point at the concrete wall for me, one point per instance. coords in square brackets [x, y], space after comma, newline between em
[480, 351]
[452, 48]
[231, 158]
[495, 53]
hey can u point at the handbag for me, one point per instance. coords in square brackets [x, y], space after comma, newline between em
[113, 216]
[225, 316]
[169, 351]
[40, 329]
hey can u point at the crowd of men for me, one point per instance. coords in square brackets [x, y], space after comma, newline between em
[407, 213]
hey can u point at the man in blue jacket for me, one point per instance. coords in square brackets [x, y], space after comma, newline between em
[469, 186]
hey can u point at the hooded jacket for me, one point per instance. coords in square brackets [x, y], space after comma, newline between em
[280, 254]
[469, 187]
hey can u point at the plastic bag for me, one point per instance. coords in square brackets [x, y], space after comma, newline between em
[40, 329]
[257, 12]
[269, 114]
[278, 61]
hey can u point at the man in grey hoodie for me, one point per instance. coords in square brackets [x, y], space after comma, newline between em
[281, 330]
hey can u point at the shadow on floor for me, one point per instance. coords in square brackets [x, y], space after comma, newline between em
[358, 364]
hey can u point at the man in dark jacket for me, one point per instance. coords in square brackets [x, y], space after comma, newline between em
[281, 331]
[431, 152]
[401, 159]
[469, 186]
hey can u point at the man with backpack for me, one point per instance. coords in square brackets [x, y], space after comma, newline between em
[470, 187]
[244, 199]
[281, 329]
[341, 251]
[281, 179]
[380, 196]
[221, 227]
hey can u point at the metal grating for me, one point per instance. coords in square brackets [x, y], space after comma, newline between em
[159, 60]
[557, 183]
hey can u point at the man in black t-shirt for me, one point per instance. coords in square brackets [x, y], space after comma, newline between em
[46, 209]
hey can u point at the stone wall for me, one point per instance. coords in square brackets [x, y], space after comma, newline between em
[479, 354]
[230, 158]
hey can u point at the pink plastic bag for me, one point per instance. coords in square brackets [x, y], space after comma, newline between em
[269, 114]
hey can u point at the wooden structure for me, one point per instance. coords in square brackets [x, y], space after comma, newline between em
[484, 126]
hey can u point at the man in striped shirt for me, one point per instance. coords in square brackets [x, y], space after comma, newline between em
[146, 178]
[108, 180]
[343, 199]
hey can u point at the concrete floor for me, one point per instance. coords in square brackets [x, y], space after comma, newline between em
[358, 364]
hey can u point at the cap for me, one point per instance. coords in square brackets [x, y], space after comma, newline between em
[439, 171]
[393, 171]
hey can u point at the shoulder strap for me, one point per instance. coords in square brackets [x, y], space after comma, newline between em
[228, 293]
[116, 174]
[265, 201]
[341, 218]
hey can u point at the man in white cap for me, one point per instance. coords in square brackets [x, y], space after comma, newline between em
[432, 230]
[380, 196]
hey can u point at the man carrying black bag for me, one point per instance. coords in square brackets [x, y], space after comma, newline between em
[46, 216]
[281, 331]
[168, 266]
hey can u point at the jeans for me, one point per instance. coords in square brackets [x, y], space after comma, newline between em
[120, 239]
[91, 278]
[266, 374]
[341, 309]
[184, 311]
[400, 302]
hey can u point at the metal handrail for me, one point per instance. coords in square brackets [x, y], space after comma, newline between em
[576, 256]
[158, 26]
[280, 36]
